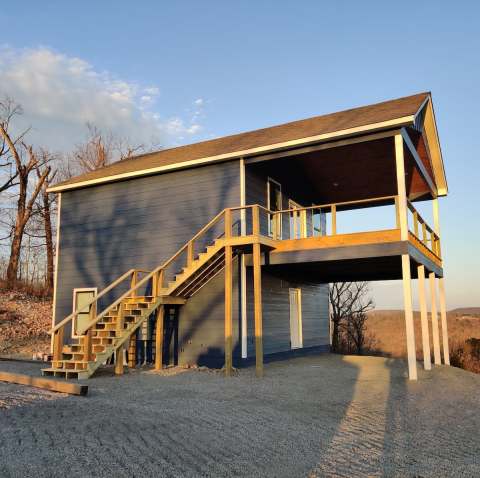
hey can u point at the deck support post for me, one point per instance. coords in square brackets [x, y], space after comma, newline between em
[257, 297]
[119, 360]
[427, 362]
[228, 312]
[159, 337]
[435, 332]
[406, 273]
[409, 326]
[443, 314]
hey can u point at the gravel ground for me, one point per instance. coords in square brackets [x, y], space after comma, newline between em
[325, 416]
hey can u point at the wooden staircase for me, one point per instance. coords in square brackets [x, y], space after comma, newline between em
[86, 353]
[106, 336]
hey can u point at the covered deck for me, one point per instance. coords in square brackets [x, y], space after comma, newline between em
[345, 210]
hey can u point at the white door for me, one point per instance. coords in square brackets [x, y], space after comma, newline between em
[81, 299]
[296, 337]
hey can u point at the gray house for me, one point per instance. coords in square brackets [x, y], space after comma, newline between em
[221, 252]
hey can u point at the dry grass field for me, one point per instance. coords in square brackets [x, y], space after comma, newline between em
[388, 329]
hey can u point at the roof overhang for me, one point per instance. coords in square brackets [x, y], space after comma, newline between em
[335, 135]
[422, 119]
[425, 122]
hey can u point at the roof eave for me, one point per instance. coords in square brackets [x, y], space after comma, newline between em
[397, 122]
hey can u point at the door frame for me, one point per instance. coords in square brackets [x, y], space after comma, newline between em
[298, 293]
[74, 306]
[279, 216]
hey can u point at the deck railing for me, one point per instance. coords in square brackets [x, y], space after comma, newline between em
[423, 232]
[319, 220]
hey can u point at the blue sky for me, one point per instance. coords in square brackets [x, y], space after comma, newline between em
[183, 71]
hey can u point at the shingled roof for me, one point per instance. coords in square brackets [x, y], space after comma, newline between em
[253, 142]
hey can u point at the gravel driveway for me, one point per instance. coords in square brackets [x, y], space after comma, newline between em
[309, 417]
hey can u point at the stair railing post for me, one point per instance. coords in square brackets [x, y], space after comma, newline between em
[119, 332]
[161, 275]
[133, 283]
[189, 253]
[87, 344]
[228, 223]
[155, 284]
[58, 343]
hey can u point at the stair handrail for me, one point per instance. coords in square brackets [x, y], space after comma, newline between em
[129, 293]
[145, 280]
[95, 299]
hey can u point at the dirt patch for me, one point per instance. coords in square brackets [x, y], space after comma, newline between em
[24, 325]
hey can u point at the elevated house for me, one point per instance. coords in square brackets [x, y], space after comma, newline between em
[221, 252]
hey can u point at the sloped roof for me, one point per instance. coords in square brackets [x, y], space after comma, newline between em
[243, 144]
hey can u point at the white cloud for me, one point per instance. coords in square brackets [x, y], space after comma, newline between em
[60, 94]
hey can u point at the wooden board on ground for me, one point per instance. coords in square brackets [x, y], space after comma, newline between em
[45, 383]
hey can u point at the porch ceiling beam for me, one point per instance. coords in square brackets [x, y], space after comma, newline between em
[418, 162]
[322, 146]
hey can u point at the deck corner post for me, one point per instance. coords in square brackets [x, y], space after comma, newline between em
[257, 293]
[159, 337]
[443, 315]
[228, 312]
[427, 362]
[256, 220]
[435, 331]
[409, 325]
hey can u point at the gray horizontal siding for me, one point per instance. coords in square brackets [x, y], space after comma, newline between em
[202, 324]
[276, 312]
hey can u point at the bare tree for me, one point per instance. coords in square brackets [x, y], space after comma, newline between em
[8, 110]
[350, 302]
[99, 150]
[45, 206]
[24, 162]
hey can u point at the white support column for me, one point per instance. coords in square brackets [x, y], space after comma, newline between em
[243, 267]
[406, 273]
[435, 332]
[409, 326]
[401, 187]
[443, 314]
[427, 363]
